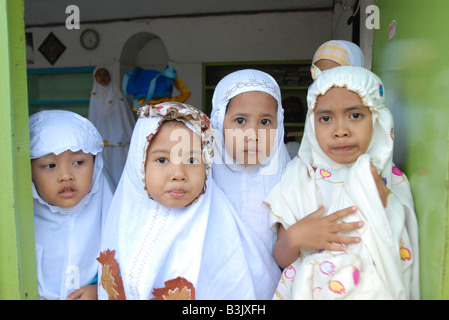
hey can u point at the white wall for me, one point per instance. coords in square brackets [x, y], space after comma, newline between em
[189, 42]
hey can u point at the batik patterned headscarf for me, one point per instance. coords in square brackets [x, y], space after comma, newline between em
[345, 53]
[384, 265]
[196, 252]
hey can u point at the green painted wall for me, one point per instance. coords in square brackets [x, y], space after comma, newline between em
[414, 65]
[17, 254]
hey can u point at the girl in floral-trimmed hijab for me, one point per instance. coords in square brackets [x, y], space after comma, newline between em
[345, 160]
[171, 233]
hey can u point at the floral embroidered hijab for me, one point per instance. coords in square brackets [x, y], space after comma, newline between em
[385, 264]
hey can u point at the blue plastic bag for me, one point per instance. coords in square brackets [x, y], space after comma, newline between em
[144, 83]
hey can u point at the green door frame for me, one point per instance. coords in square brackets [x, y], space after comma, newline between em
[18, 278]
[414, 66]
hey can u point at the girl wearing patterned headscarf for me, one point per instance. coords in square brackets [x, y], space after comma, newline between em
[171, 234]
[71, 198]
[336, 53]
[248, 117]
[345, 159]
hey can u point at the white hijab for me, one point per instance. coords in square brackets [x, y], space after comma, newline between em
[67, 239]
[199, 250]
[247, 186]
[111, 115]
[343, 52]
[385, 265]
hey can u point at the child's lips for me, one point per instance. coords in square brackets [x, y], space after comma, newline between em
[67, 192]
[252, 151]
[177, 193]
[343, 148]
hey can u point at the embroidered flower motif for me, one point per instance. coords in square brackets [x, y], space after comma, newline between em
[159, 108]
[175, 289]
[336, 287]
[392, 134]
[327, 268]
[405, 253]
[396, 171]
[325, 174]
[356, 275]
[381, 89]
[290, 272]
[110, 280]
[266, 85]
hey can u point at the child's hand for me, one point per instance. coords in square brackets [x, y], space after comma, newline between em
[88, 292]
[381, 187]
[316, 232]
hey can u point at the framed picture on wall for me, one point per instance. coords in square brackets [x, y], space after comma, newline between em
[52, 48]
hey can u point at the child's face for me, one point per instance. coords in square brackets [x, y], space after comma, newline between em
[326, 64]
[343, 126]
[63, 180]
[249, 127]
[102, 76]
[174, 171]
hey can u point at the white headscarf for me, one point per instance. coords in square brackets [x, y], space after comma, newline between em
[343, 52]
[67, 239]
[385, 264]
[112, 116]
[199, 250]
[247, 186]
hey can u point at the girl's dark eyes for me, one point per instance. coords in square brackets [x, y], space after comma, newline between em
[243, 121]
[356, 115]
[194, 161]
[78, 163]
[49, 166]
[162, 160]
[325, 119]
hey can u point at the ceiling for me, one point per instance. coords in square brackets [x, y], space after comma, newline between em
[53, 12]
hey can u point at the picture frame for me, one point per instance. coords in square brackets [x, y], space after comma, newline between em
[52, 48]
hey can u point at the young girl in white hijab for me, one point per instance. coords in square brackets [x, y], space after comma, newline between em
[171, 234]
[248, 117]
[112, 116]
[345, 160]
[336, 53]
[71, 198]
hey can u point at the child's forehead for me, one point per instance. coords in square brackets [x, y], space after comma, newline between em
[171, 125]
[102, 71]
[253, 102]
[336, 95]
[253, 94]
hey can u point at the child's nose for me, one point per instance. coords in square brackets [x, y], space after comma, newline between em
[65, 175]
[341, 130]
[252, 134]
[178, 173]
